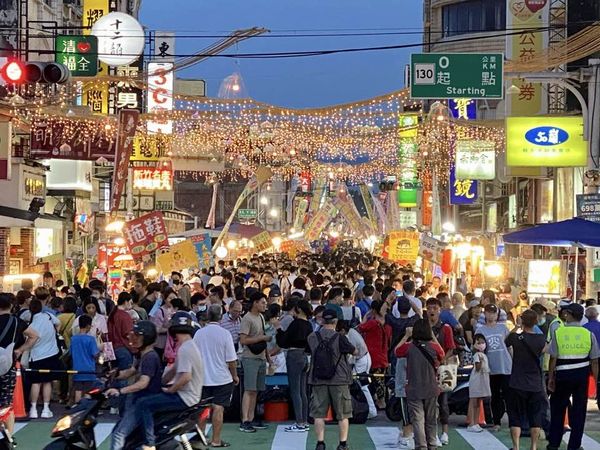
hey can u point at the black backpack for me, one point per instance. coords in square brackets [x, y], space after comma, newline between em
[323, 365]
[354, 322]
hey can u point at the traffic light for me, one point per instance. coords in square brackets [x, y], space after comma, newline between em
[19, 72]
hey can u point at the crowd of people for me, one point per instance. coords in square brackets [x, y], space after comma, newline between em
[326, 320]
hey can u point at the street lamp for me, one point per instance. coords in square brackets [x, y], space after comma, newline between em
[274, 213]
[264, 200]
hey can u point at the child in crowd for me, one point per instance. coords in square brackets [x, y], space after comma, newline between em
[84, 351]
[479, 382]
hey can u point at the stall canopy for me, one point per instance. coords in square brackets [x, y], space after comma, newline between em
[572, 232]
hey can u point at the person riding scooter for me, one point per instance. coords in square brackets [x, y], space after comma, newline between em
[148, 371]
[185, 376]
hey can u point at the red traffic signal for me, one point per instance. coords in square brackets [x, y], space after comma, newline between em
[19, 72]
[13, 72]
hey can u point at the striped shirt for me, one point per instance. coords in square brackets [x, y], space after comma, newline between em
[233, 326]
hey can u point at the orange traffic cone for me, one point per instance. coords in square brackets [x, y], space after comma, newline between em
[18, 396]
[481, 419]
[329, 417]
[566, 425]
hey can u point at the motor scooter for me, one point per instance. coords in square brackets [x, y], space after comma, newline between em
[174, 431]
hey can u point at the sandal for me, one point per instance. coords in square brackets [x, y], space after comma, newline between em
[222, 445]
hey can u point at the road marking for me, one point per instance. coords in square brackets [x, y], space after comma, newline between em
[485, 440]
[288, 441]
[384, 437]
[19, 426]
[586, 442]
[102, 431]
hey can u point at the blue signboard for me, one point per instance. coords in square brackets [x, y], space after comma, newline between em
[462, 192]
[463, 108]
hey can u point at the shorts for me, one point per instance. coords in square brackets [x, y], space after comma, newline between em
[84, 386]
[255, 371]
[324, 396]
[7, 387]
[522, 404]
[53, 363]
[221, 395]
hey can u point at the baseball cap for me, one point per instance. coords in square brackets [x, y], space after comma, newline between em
[490, 307]
[563, 303]
[195, 280]
[329, 315]
[274, 291]
[574, 308]
[217, 280]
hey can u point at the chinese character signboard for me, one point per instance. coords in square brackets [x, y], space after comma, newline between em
[247, 214]
[128, 121]
[82, 140]
[545, 141]
[145, 235]
[121, 39]
[475, 160]
[462, 192]
[164, 46]
[153, 179]
[456, 75]
[128, 95]
[463, 108]
[107, 253]
[150, 148]
[160, 95]
[526, 16]
[588, 207]
[403, 246]
[407, 152]
[262, 242]
[430, 249]
[93, 10]
[78, 53]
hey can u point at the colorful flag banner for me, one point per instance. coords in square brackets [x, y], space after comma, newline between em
[203, 244]
[320, 221]
[301, 210]
[128, 121]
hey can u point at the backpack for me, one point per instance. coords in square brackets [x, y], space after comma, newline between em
[324, 367]
[6, 354]
[354, 322]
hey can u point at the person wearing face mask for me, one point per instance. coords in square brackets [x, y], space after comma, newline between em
[98, 292]
[479, 382]
[231, 321]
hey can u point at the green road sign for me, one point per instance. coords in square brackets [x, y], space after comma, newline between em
[78, 53]
[456, 75]
[247, 214]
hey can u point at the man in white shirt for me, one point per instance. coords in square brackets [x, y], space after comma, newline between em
[220, 370]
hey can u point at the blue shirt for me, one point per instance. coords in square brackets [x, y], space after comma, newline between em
[364, 305]
[84, 350]
[594, 327]
[447, 317]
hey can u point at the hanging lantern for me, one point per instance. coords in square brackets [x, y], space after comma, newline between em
[447, 261]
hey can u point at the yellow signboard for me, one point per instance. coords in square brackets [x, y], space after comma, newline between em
[403, 246]
[96, 97]
[149, 148]
[262, 241]
[545, 142]
[180, 255]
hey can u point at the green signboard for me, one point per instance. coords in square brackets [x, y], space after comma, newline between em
[456, 75]
[247, 214]
[78, 53]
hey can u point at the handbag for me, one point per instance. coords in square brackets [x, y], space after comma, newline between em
[66, 357]
[259, 347]
[446, 374]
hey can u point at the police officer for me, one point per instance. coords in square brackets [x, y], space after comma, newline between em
[573, 353]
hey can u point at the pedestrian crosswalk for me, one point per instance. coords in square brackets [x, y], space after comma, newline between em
[36, 434]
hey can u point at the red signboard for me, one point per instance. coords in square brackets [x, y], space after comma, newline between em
[128, 121]
[107, 253]
[145, 235]
[72, 139]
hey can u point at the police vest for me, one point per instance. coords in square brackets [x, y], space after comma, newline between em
[574, 345]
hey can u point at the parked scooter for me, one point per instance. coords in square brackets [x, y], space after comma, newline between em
[174, 431]
[6, 441]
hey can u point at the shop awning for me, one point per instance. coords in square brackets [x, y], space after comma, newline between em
[568, 233]
[13, 217]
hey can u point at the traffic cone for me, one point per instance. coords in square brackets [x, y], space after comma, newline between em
[18, 397]
[481, 419]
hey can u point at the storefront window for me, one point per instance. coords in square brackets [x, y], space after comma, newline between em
[473, 16]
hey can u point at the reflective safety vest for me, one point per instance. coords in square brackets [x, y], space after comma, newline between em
[574, 345]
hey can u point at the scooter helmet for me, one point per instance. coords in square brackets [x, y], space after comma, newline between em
[146, 329]
[181, 325]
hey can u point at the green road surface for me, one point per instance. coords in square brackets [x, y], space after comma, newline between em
[35, 434]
